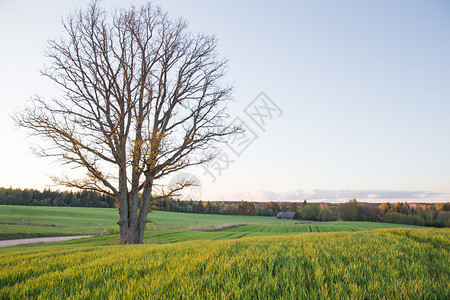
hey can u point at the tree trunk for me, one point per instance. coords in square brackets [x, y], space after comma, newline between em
[122, 200]
[132, 232]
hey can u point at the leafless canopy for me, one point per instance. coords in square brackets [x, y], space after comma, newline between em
[140, 96]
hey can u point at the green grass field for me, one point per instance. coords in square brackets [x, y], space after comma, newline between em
[191, 256]
[168, 226]
[386, 263]
[241, 231]
[55, 221]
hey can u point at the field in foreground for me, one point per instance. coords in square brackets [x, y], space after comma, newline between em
[387, 263]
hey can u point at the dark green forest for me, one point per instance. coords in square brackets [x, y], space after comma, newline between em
[47, 197]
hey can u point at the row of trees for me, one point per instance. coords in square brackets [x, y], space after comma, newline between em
[437, 214]
[418, 214]
[403, 213]
[223, 208]
[47, 197]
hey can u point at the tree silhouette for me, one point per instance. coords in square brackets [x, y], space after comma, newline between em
[140, 96]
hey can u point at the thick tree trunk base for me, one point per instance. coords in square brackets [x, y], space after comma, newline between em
[132, 236]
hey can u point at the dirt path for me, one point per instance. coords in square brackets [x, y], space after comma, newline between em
[40, 240]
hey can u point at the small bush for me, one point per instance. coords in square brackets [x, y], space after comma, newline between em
[112, 230]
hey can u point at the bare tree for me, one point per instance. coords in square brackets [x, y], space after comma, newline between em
[140, 96]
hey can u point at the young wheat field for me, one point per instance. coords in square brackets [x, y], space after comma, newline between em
[191, 256]
[386, 263]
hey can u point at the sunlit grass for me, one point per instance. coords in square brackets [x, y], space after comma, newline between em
[387, 263]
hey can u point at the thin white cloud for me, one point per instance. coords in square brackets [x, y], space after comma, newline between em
[330, 195]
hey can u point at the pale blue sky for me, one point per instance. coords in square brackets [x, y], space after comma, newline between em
[363, 86]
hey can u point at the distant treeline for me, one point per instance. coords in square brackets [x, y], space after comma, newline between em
[437, 214]
[48, 197]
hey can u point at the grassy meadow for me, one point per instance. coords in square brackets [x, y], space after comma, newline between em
[192, 256]
[167, 226]
[55, 221]
[241, 231]
[386, 263]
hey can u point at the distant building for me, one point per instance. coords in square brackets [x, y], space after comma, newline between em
[287, 216]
